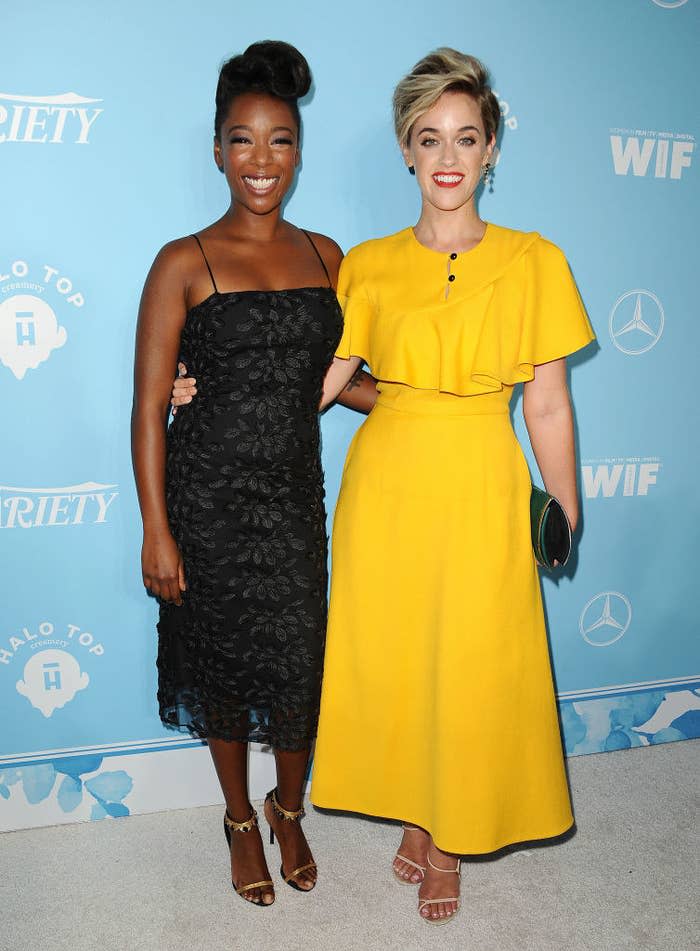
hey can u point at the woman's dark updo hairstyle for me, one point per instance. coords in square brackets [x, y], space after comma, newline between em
[271, 67]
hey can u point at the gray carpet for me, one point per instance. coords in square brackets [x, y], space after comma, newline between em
[627, 881]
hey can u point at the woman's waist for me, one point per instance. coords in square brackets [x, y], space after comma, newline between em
[406, 399]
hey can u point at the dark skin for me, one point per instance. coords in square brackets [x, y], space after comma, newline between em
[250, 248]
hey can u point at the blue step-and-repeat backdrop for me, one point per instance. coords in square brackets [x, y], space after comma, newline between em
[106, 117]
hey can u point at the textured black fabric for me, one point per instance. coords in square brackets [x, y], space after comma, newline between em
[242, 658]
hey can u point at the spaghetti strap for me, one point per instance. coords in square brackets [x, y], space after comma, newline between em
[318, 255]
[216, 289]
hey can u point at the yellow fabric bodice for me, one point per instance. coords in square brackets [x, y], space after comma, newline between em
[511, 304]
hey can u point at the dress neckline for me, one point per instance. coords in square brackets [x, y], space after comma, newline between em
[442, 254]
[283, 290]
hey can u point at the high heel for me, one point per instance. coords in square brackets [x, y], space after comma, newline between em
[415, 865]
[230, 825]
[289, 816]
[424, 902]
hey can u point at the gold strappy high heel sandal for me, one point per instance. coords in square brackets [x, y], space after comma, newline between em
[423, 902]
[230, 825]
[420, 868]
[289, 816]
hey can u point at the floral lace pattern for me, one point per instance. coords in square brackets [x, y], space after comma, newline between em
[241, 659]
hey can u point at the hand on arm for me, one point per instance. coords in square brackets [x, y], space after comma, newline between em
[161, 318]
[360, 393]
[550, 425]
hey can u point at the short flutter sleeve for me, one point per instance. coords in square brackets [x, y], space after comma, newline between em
[357, 309]
[535, 315]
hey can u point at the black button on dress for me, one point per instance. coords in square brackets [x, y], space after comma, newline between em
[241, 659]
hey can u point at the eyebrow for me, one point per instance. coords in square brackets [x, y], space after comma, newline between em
[278, 128]
[463, 129]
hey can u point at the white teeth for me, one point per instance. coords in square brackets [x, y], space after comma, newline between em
[260, 184]
[448, 179]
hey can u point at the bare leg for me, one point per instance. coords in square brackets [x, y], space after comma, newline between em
[247, 857]
[441, 881]
[291, 775]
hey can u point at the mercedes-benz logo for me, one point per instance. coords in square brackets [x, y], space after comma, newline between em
[605, 618]
[636, 322]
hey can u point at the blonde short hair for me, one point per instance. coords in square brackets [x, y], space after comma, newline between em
[443, 70]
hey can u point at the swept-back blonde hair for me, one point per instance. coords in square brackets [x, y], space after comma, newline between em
[443, 70]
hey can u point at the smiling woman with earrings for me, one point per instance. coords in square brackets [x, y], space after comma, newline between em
[438, 707]
[232, 498]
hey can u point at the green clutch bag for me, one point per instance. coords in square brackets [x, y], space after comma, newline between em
[551, 532]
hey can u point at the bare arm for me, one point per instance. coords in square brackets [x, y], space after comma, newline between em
[338, 376]
[361, 392]
[161, 318]
[550, 425]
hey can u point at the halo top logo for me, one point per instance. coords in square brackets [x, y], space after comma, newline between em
[29, 328]
[52, 676]
[87, 503]
[636, 322]
[47, 119]
[673, 153]
[51, 680]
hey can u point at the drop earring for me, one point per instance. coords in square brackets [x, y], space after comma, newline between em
[487, 175]
[411, 170]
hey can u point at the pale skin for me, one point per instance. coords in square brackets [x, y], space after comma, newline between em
[450, 138]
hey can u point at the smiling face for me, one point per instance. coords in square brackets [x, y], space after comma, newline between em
[448, 149]
[257, 148]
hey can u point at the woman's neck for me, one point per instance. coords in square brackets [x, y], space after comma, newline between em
[458, 230]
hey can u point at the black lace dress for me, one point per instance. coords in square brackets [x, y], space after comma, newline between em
[242, 658]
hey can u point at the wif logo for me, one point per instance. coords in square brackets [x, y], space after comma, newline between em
[56, 120]
[634, 149]
[614, 478]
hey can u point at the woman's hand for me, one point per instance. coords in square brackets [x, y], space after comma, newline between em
[162, 567]
[183, 388]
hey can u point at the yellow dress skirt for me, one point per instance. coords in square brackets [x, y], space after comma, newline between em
[437, 704]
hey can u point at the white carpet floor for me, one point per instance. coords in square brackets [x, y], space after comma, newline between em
[626, 881]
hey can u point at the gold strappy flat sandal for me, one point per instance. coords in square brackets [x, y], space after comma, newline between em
[289, 816]
[420, 868]
[424, 902]
[230, 825]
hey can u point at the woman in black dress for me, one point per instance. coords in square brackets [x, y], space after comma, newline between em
[232, 498]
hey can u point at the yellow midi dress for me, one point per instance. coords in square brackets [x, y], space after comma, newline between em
[437, 704]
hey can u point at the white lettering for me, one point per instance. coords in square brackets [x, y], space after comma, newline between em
[17, 113]
[19, 506]
[33, 122]
[16, 642]
[49, 272]
[72, 628]
[20, 268]
[85, 124]
[58, 508]
[76, 299]
[41, 509]
[86, 639]
[63, 285]
[630, 476]
[98, 649]
[27, 635]
[5, 656]
[46, 629]
[61, 115]
[103, 506]
[604, 478]
[661, 158]
[647, 477]
[680, 157]
[631, 154]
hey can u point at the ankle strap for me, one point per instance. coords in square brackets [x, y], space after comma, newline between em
[246, 826]
[291, 815]
[453, 871]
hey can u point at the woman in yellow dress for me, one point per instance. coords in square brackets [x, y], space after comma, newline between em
[438, 705]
